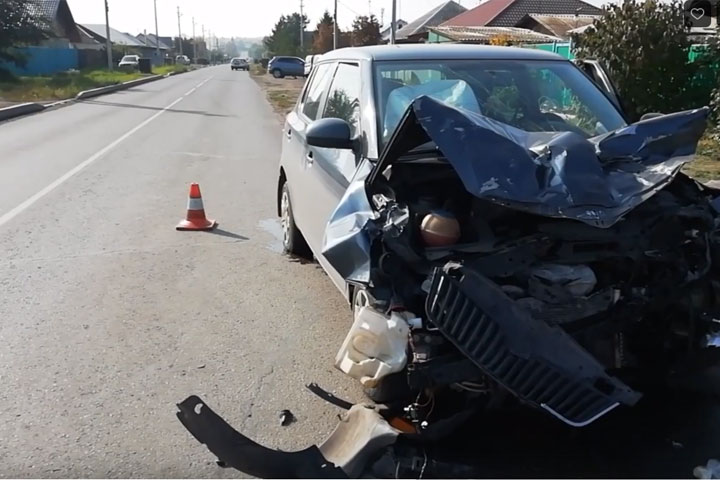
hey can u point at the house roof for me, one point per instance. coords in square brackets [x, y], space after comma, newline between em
[508, 13]
[486, 34]
[57, 16]
[386, 32]
[45, 8]
[151, 41]
[117, 37]
[434, 17]
[560, 25]
[480, 15]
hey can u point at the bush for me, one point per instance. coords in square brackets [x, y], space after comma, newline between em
[645, 48]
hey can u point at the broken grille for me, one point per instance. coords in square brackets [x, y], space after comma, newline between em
[573, 399]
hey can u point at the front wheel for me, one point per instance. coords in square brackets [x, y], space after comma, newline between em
[293, 241]
[277, 73]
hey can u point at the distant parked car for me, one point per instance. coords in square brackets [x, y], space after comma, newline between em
[182, 60]
[238, 63]
[129, 62]
[280, 67]
[309, 62]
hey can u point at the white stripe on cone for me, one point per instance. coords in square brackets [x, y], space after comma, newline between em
[195, 204]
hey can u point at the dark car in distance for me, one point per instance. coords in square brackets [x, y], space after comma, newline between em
[280, 67]
[238, 63]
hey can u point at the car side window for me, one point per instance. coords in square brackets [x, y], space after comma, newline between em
[317, 87]
[344, 98]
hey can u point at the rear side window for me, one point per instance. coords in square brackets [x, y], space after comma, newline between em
[318, 85]
[344, 97]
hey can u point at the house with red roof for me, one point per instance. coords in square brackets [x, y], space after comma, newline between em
[510, 13]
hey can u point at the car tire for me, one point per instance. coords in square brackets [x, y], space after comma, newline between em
[293, 241]
[277, 73]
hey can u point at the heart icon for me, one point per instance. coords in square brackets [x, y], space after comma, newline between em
[697, 13]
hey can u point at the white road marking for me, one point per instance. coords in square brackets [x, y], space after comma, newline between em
[30, 201]
[201, 155]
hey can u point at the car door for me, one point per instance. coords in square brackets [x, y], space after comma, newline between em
[598, 74]
[294, 148]
[329, 171]
[298, 67]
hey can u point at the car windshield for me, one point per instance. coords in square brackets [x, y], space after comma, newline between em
[536, 96]
[129, 58]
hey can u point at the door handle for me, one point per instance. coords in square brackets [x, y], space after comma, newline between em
[309, 158]
[289, 134]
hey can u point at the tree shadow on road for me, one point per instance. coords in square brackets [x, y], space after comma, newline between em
[147, 107]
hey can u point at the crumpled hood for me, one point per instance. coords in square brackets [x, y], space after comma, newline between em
[554, 174]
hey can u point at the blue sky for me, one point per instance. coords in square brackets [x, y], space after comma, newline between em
[239, 18]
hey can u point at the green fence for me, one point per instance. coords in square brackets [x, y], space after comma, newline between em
[564, 49]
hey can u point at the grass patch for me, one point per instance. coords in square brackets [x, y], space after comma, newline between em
[706, 165]
[164, 70]
[63, 85]
[282, 93]
[257, 69]
[282, 100]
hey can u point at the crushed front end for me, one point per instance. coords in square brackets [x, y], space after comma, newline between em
[565, 273]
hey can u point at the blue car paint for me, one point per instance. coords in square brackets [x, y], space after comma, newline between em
[289, 66]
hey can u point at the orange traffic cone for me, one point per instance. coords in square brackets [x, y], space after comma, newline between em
[195, 219]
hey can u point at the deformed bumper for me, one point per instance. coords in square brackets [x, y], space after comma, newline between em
[361, 433]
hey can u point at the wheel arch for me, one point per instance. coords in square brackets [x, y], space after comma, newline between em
[282, 179]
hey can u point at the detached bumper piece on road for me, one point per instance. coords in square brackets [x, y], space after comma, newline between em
[361, 434]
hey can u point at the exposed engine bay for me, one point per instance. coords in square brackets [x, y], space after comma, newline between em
[570, 308]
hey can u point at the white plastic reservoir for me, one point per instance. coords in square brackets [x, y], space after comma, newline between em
[374, 347]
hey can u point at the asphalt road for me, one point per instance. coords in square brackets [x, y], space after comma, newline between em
[109, 317]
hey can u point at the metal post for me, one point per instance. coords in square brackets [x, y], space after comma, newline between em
[335, 28]
[179, 32]
[194, 42]
[203, 35]
[108, 43]
[302, 27]
[157, 36]
[393, 24]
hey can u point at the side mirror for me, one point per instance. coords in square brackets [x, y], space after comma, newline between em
[650, 115]
[330, 133]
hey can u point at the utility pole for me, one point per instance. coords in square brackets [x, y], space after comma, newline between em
[194, 42]
[108, 43]
[393, 25]
[335, 28]
[157, 37]
[302, 27]
[203, 35]
[179, 32]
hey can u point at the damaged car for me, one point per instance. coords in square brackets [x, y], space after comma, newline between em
[502, 233]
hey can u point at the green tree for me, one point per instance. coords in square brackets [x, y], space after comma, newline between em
[20, 25]
[323, 37]
[366, 31]
[645, 48]
[285, 37]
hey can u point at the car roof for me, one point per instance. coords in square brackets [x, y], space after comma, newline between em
[286, 57]
[437, 51]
